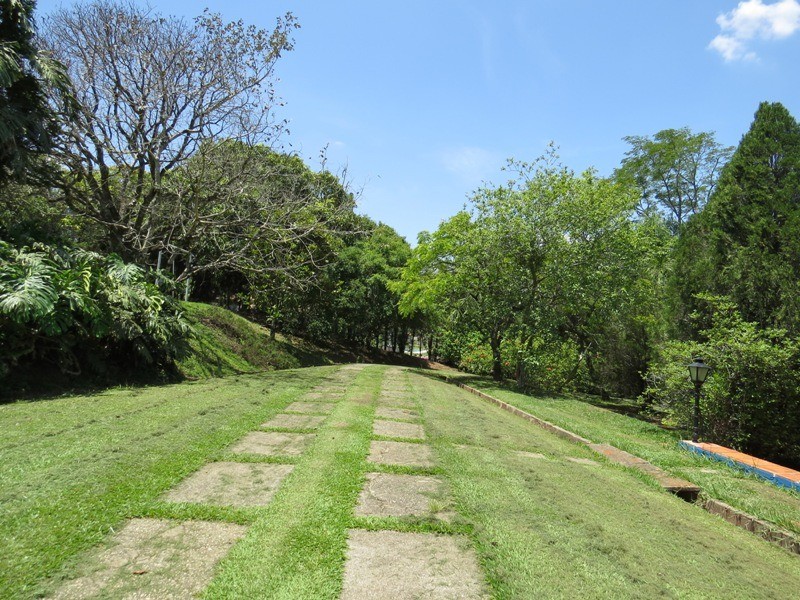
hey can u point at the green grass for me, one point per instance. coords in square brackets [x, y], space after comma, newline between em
[73, 469]
[555, 529]
[659, 446]
[297, 548]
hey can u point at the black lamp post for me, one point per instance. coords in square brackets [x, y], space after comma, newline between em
[698, 371]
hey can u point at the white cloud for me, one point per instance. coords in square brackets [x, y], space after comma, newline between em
[470, 162]
[754, 20]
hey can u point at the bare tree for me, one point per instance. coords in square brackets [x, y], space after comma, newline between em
[168, 149]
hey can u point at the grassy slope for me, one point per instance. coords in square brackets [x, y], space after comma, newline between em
[551, 528]
[225, 344]
[659, 446]
[73, 468]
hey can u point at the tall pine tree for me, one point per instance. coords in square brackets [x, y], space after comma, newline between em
[746, 244]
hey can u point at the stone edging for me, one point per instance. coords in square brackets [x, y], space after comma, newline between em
[559, 431]
[763, 529]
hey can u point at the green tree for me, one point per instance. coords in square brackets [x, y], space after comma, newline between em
[483, 269]
[365, 303]
[28, 76]
[598, 290]
[552, 260]
[746, 244]
[675, 170]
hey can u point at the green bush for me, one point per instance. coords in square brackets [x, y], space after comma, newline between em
[475, 355]
[751, 401]
[76, 310]
[448, 347]
[552, 367]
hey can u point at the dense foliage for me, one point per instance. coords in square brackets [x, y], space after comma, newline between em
[28, 76]
[80, 311]
[547, 265]
[753, 399]
[749, 235]
[568, 281]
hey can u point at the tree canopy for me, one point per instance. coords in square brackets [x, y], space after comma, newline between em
[748, 239]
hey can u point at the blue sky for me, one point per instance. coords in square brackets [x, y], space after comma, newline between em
[424, 101]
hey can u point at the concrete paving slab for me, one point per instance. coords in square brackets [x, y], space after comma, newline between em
[317, 396]
[389, 495]
[310, 407]
[406, 566]
[387, 412]
[398, 430]
[231, 484]
[295, 421]
[154, 559]
[332, 388]
[400, 453]
[273, 443]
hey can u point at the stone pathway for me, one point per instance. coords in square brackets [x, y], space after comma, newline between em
[231, 484]
[310, 408]
[403, 454]
[398, 565]
[284, 421]
[158, 559]
[273, 443]
[399, 414]
[398, 429]
[390, 495]
[406, 565]
[153, 558]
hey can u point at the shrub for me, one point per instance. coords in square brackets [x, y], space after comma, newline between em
[77, 309]
[552, 367]
[752, 399]
[475, 356]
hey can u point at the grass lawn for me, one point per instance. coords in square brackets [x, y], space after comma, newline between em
[660, 447]
[73, 469]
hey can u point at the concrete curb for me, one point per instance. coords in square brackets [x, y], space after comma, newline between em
[559, 431]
